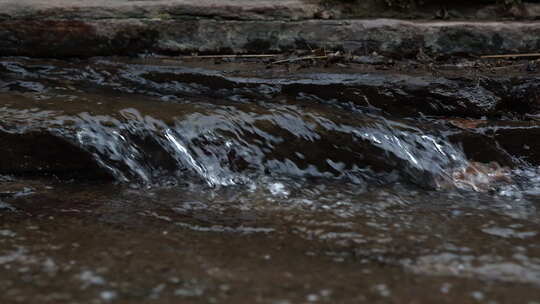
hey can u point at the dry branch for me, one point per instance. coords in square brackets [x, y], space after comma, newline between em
[228, 56]
[300, 59]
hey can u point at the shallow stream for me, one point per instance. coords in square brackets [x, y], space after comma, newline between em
[129, 181]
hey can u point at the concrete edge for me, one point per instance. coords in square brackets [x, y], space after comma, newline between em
[392, 38]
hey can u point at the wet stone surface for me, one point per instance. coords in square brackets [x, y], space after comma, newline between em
[135, 183]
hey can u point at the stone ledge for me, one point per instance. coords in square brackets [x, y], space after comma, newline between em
[159, 9]
[393, 38]
[76, 28]
[255, 10]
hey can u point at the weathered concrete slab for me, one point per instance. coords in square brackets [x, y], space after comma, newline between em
[160, 9]
[63, 28]
[258, 9]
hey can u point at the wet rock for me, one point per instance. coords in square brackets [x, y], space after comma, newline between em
[523, 96]
[396, 93]
[481, 148]
[519, 142]
[222, 128]
[405, 95]
[41, 153]
[222, 145]
[507, 143]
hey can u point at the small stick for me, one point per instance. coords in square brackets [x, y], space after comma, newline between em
[453, 67]
[507, 66]
[299, 59]
[229, 56]
[511, 55]
[513, 65]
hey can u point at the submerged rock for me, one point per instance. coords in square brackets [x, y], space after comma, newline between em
[224, 145]
[40, 153]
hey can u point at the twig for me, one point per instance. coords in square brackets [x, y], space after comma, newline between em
[507, 66]
[447, 67]
[300, 59]
[229, 56]
[513, 65]
[511, 55]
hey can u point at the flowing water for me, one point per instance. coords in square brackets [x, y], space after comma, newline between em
[133, 182]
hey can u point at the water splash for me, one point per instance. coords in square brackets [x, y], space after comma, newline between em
[227, 145]
[224, 145]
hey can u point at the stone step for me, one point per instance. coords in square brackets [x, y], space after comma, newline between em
[65, 28]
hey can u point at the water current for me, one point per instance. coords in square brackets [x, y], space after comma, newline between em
[207, 152]
[227, 140]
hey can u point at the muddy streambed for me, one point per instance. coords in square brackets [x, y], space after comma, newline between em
[129, 181]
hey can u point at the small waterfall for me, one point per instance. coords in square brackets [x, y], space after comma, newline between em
[227, 145]
[176, 124]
